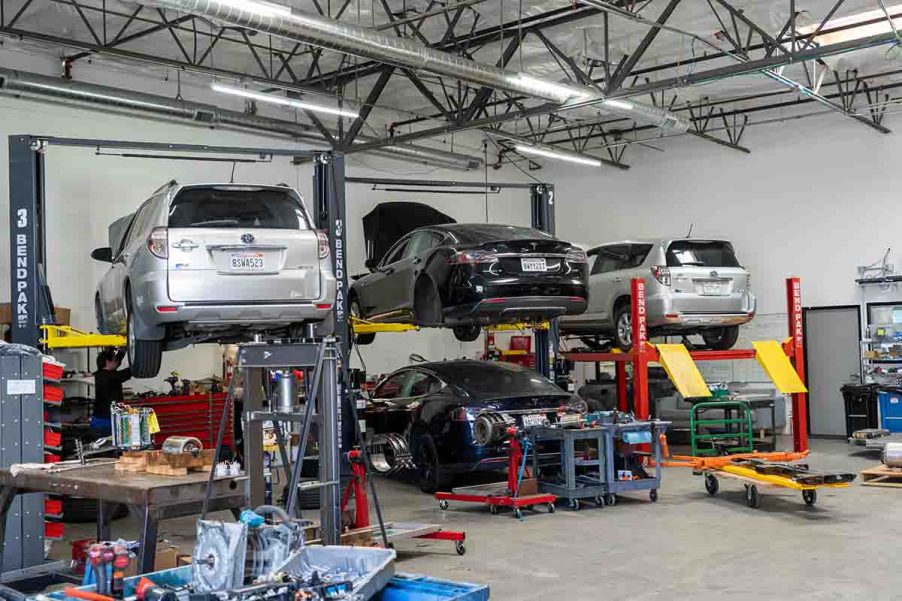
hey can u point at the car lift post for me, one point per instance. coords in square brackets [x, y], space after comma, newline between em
[29, 299]
[643, 353]
[541, 198]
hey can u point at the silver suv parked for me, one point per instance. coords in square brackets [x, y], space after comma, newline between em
[692, 287]
[211, 263]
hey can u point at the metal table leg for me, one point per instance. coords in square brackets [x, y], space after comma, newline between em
[103, 520]
[147, 549]
[7, 494]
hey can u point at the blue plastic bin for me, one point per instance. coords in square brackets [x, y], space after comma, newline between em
[890, 401]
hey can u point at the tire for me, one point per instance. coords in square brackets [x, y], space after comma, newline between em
[810, 497]
[653, 495]
[429, 469]
[623, 321]
[354, 310]
[427, 305]
[721, 339]
[711, 484]
[752, 498]
[144, 356]
[467, 333]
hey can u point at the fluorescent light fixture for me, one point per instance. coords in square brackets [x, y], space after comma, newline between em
[540, 86]
[617, 104]
[282, 100]
[263, 9]
[554, 154]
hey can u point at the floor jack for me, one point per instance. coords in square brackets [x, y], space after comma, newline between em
[394, 531]
[504, 494]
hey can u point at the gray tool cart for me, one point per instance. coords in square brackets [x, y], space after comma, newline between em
[602, 455]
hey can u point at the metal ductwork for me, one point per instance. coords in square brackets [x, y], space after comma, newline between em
[284, 22]
[93, 95]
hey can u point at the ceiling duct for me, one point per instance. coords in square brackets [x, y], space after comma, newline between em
[21, 83]
[284, 22]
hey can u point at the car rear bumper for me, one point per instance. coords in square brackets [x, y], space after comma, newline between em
[492, 310]
[215, 315]
[663, 313]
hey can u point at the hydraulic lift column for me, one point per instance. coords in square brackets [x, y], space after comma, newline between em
[541, 199]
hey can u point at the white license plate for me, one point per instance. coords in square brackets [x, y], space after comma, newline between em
[712, 289]
[534, 264]
[534, 419]
[246, 262]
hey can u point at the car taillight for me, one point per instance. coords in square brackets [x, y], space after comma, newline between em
[577, 255]
[465, 257]
[662, 274]
[158, 242]
[323, 244]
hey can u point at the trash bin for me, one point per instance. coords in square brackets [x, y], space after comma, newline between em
[860, 401]
[890, 401]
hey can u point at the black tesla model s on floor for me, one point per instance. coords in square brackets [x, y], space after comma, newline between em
[469, 275]
[434, 407]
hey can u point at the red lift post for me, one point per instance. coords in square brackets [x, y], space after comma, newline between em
[643, 353]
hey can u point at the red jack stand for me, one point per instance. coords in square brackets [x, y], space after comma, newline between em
[494, 495]
[394, 530]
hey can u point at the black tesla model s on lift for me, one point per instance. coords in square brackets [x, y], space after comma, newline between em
[469, 275]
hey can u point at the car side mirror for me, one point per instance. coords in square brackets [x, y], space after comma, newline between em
[104, 254]
[370, 264]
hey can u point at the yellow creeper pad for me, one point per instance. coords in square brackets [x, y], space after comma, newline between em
[778, 367]
[682, 370]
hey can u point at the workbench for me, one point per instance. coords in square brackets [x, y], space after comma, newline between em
[152, 497]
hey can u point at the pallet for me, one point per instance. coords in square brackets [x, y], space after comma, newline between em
[165, 464]
[881, 475]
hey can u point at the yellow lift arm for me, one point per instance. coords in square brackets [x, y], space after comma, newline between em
[69, 337]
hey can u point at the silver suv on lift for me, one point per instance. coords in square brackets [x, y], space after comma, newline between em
[692, 287]
[212, 263]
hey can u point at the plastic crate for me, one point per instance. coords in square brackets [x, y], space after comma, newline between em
[409, 587]
[52, 394]
[52, 370]
[890, 401]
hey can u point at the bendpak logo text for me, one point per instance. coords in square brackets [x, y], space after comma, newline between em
[22, 269]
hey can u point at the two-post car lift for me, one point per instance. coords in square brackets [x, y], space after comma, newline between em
[772, 358]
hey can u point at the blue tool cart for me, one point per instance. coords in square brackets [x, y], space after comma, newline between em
[625, 472]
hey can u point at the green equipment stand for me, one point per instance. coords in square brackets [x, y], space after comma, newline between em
[731, 433]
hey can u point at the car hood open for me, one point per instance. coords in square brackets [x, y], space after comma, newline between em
[388, 222]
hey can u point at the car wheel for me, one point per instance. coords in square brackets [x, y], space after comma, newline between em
[144, 356]
[427, 305]
[354, 310]
[467, 333]
[623, 327]
[721, 339]
[429, 469]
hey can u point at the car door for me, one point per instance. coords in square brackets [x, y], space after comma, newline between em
[375, 290]
[132, 242]
[606, 282]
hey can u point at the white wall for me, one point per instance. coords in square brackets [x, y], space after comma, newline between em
[815, 198]
[85, 192]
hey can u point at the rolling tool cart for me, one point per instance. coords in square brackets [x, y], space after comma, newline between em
[518, 492]
[627, 457]
[583, 464]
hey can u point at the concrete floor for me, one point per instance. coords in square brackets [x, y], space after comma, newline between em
[687, 545]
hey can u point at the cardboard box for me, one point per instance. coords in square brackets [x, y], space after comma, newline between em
[63, 315]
